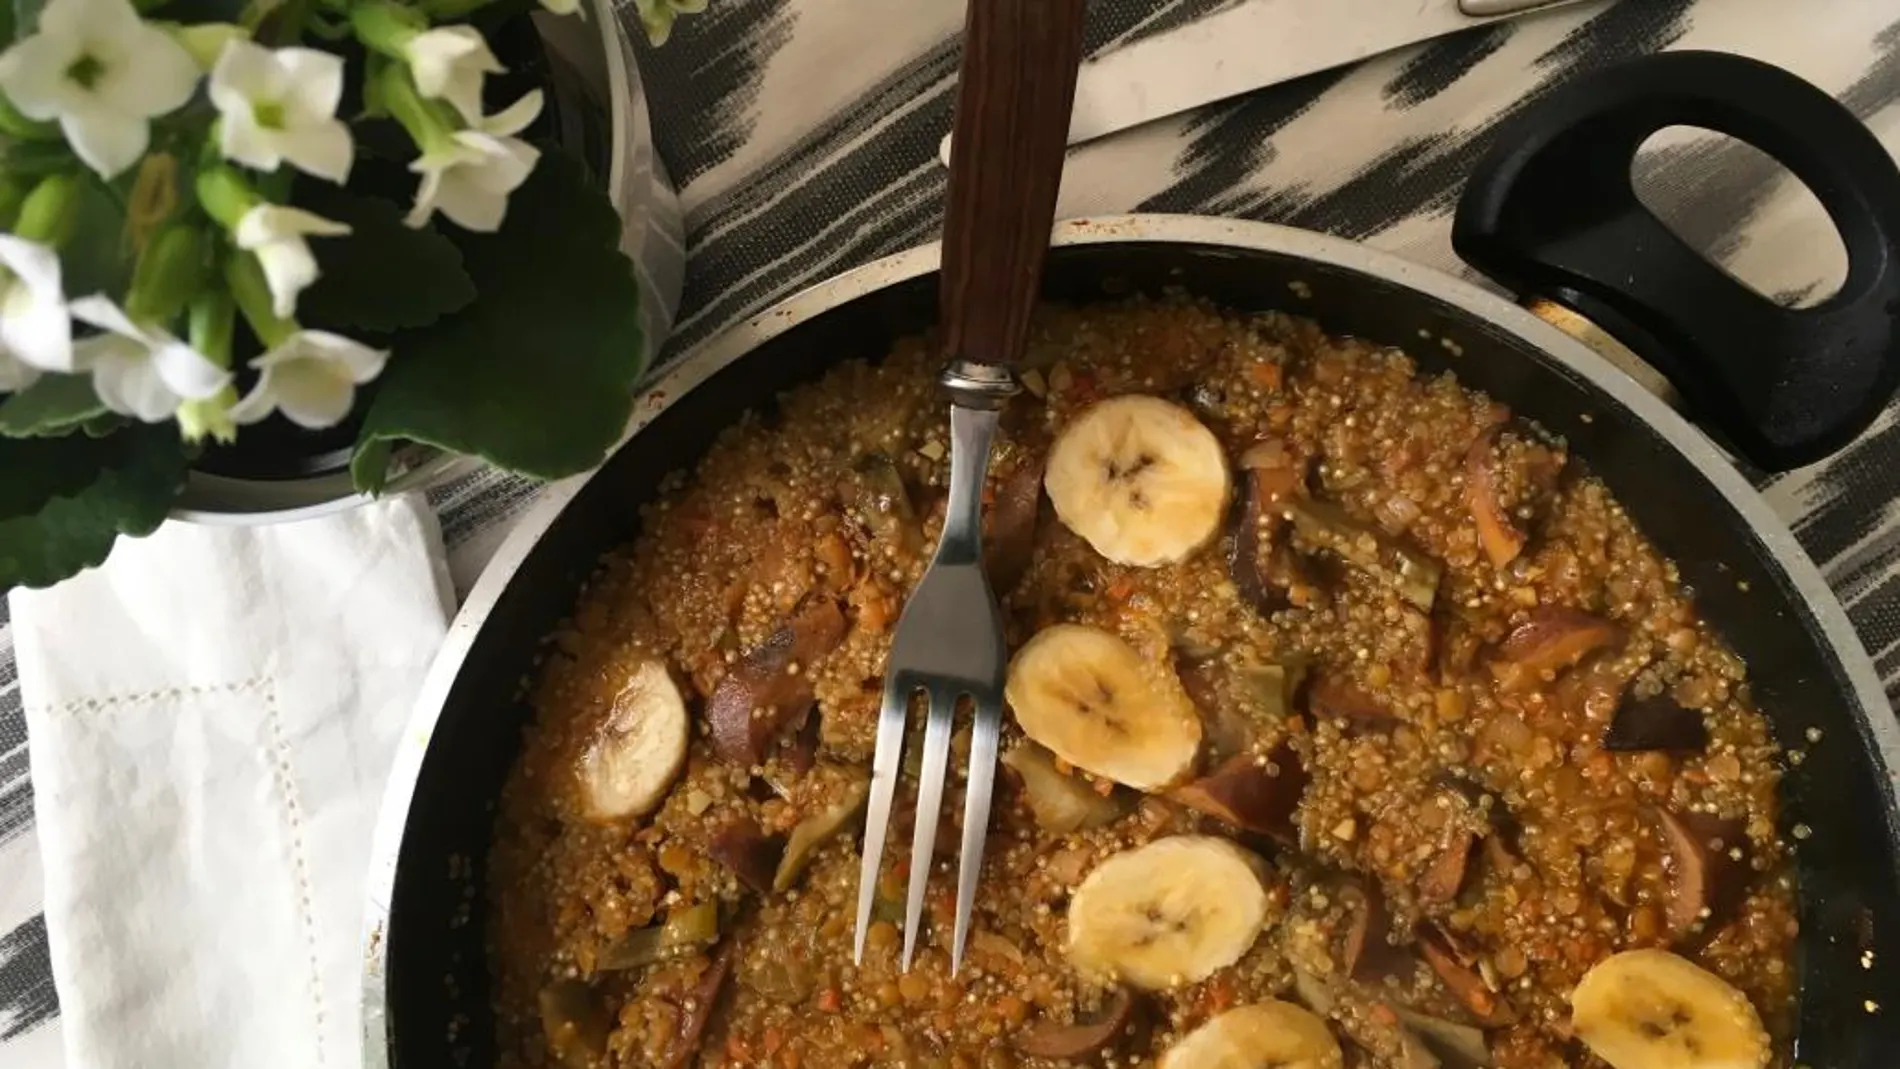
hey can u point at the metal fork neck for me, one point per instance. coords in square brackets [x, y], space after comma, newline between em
[971, 430]
[983, 386]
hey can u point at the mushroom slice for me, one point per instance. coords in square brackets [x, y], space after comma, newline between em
[1369, 953]
[639, 749]
[699, 1008]
[1332, 698]
[1656, 723]
[1708, 863]
[752, 855]
[1119, 1017]
[1009, 539]
[1258, 561]
[770, 687]
[1550, 640]
[1464, 981]
[1445, 877]
[1251, 792]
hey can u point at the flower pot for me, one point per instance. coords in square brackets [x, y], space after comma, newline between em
[280, 472]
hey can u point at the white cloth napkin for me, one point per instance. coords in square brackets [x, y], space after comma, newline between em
[210, 717]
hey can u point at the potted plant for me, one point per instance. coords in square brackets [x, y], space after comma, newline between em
[282, 238]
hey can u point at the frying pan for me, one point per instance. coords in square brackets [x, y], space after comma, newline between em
[1551, 215]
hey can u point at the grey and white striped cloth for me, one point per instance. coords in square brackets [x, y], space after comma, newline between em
[803, 135]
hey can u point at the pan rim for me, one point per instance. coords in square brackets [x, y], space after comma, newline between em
[735, 342]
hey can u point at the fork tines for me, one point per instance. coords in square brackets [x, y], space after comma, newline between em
[942, 702]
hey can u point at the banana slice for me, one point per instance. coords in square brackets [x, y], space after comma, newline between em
[639, 749]
[1264, 1035]
[1650, 1009]
[1140, 479]
[1172, 912]
[1089, 697]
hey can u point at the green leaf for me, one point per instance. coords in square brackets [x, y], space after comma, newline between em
[56, 404]
[95, 259]
[67, 500]
[24, 16]
[383, 276]
[538, 374]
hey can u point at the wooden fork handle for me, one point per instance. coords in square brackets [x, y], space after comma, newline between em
[1014, 95]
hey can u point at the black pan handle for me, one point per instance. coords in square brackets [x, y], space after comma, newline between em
[1551, 212]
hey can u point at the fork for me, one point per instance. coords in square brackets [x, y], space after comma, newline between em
[1014, 95]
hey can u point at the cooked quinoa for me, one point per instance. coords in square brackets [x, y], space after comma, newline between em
[1459, 791]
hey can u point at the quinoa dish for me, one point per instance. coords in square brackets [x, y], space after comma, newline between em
[1350, 722]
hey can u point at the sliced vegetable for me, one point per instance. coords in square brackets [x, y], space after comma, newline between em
[1061, 803]
[1119, 1017]
[1501, 538]
[699, 1008]
[575, 1023]
[1656, 723]
[639, 749]
[1009, 539]
[1463, 981]
[1252, 792]
[1318, 994]
[1369, 953]
[1413, 1053]
[883, 502]
[1393, 562]
[1261, 565]
[1271, 687]
[751, 854]
[1458, 1046]
[814, 831]
[1548, 641]
[684, 929]
[1708, 866]
[1445, 877]
[1332, 698]
[1492, 502]
[770, 687]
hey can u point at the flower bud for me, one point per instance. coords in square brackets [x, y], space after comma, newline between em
[51, 211]
[170, 272]
[211, 322]
[428, 123]
[225, 195]
[245, 277]
[385, 27]
[205, 40]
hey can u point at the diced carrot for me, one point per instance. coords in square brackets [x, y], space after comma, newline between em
[1220, 995]
[1121, 589]
[1063, 766]
[830, 1001]
[1266, 374]
[1103, 787]
[773, 1040]
[1382, 1013]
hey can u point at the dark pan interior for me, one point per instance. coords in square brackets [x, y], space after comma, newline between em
[437, 976]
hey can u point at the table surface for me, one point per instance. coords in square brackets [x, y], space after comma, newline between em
[803, 137]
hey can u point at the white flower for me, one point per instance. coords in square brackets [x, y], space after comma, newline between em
[276, 234]
[311, 378]
[281, 105]
[35, 333]
[449, 63]
[103, 74]
[469, 181]
[137, 370]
